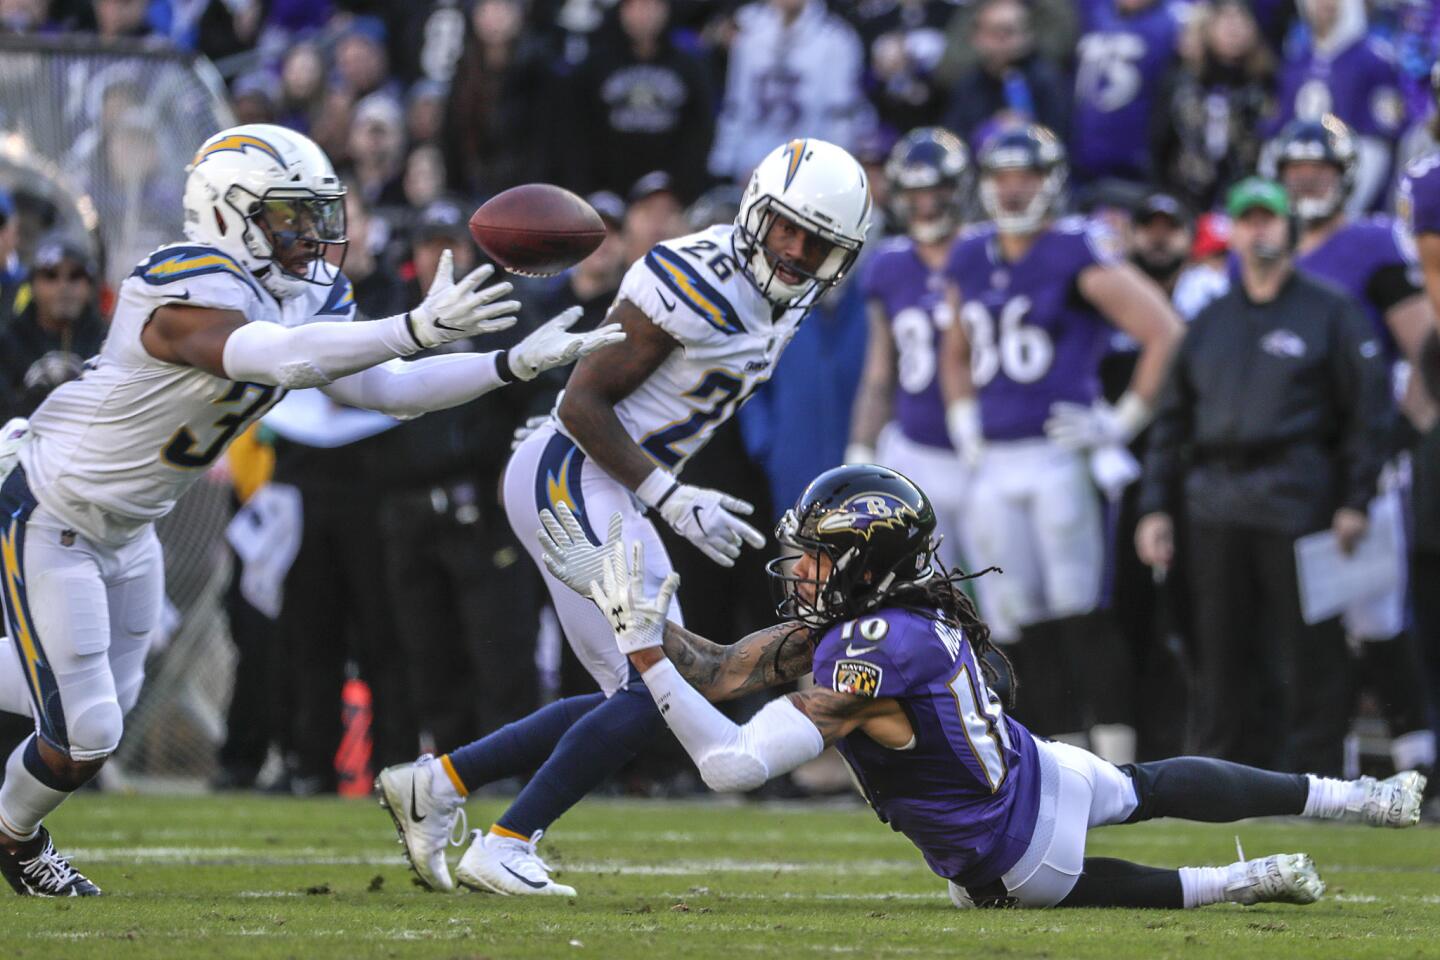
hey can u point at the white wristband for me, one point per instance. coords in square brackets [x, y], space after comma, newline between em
[859, 453]
[962, 421]
[1132, 414]
[654, 488]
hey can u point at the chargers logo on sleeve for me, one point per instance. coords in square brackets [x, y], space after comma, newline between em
[867, 512]
[857, 677]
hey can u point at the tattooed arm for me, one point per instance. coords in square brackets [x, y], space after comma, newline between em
[763, 659]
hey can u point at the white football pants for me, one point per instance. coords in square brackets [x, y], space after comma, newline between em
[939, 473]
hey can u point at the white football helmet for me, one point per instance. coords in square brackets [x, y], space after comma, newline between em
[820, 188]
[256, 186]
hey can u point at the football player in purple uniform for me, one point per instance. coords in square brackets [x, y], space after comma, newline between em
[899, 415]
[1038, 299]
[1372, 259]
[1343, 71]
[904, 676]
[1418, 205]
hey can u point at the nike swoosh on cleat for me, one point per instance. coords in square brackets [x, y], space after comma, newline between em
[414, 813]
[533, 884]
[668, 304]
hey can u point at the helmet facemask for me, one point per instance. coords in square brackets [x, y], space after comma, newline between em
[1311, 208]
[295, 230]
[764, 266]
[1033, 215]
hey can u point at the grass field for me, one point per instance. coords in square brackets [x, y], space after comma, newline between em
[260, 878]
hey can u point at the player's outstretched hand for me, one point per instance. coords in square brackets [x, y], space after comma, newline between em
[454, 311]
[638, 620]
[568, 553]
[708, 519]
[553, 345]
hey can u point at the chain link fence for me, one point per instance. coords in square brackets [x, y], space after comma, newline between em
[94, 141]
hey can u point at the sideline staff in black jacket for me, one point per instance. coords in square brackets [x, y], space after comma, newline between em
[1271, 426]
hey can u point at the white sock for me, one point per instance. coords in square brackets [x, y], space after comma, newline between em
[1327, 797]
[1413, 749]
[1201, 886]
[24, 800]
[441, 787]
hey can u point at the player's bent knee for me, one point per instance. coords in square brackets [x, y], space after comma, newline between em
[729, 771]
[94, 732]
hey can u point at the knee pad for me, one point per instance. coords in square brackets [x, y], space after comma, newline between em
[94, 732]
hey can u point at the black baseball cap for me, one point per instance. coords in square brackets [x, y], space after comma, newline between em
[609, 205]
[1162, 205]
[656, 181]
[444, 217]
[55, 248]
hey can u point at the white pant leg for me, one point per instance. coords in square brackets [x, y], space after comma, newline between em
[135, 590]
[63, 635]
[545, 469]
[1382, 616]
[1079, 791]
[999, 531]
[943, 478]
[1069, 531]
[14, 691]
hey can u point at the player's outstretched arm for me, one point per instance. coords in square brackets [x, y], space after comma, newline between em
[407, 389]
[223, 343]
[786, 733]
[763, 659]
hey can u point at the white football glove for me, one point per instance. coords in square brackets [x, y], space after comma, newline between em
[453, 311]
[12, 436]
[638, 620]
[568, 554]
[552, 345]
[1078, 427]
[522, 432]
[962, 423]
[707, 518]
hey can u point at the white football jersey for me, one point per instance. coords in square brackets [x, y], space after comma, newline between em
[730, 339]
[113, 451]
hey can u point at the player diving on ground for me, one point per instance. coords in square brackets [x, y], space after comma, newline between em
[903, 673]
[207, 336]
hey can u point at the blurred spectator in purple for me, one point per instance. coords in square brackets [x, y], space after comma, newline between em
[1207, 127]
[1010, 81]
[905, 40]
[377, 151]
[216, 28]
[795, 70]
[640, 104]
[378, 292]
[425, 111]
[654, 213]
[424, 179]
[1124, 54]
[120, 20]
[23, 16]
[496, 120]
[1339, 69]
[362, 66]
[302, 87]
[1055, 25]
[254, 97]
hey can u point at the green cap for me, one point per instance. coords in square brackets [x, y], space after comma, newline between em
[1255, 192]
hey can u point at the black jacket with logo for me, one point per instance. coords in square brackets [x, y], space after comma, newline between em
[1274, 414]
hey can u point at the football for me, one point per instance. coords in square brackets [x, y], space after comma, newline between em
[537, 229]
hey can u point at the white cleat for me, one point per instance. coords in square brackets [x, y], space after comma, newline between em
[1281, 878]
[504, 865]
[1393, 802]
[424, 821]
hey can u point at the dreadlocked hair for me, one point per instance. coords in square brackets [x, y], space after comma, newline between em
[941, 597]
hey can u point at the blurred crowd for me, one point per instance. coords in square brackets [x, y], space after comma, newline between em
[383, 551]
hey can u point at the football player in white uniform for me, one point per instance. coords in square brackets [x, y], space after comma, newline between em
[706, 317]
[207, 336]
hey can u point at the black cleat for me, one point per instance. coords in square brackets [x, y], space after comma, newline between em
[36, 869]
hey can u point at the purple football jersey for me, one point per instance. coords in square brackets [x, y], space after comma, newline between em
[1360, 85]
[1122, 63]
[1417, 203]
[1033, 339]
[967, 792]
[913, 297]
[1373, 261]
